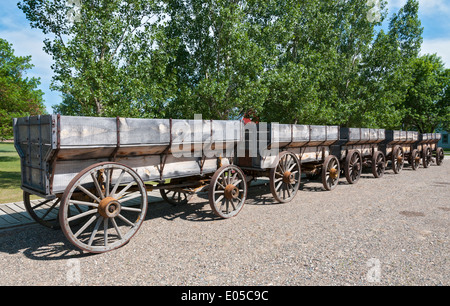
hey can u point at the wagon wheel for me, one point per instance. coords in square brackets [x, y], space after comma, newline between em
[176, 197]
[44, 212]
[312, 175]
[439, 156]
[398, 159]
[228, 191]
[285, 177]
[115, 210]
[378, 164]
[330, 172]
[353, 166]
[415, 159]
[426, 157]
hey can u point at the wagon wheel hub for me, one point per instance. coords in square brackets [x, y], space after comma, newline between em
[400, 159]
[333, 173]
[288, 178]
[231, 192]
[109, 208]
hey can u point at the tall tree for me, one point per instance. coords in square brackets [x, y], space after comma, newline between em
[105, 59]
[427, 100]
[19, 95]
[216, 62]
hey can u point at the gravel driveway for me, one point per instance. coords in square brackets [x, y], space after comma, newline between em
[389, 231]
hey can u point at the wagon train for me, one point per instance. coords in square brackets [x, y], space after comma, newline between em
[398, 148]
[282, 151]
[358, 148]
[427, 149]
[94, 174]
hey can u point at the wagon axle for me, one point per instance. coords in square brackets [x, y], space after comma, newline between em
[109, 208]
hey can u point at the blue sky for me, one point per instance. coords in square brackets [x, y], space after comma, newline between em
[15, 28]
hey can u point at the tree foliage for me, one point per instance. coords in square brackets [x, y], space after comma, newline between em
[428, 98]
[306, 62]
[19, 95]
[105, 59]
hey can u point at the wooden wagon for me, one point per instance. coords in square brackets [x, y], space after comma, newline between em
[94, 173]
[428, 150]
[283, 151]
[358, 148]
[399, 148]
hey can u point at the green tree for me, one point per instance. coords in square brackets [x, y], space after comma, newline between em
[106, 62]
[217, 62]
[427, 100]
[322, 48]
[19, 95]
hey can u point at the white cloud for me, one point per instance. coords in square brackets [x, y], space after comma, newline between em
[426, 7]
[432, 6]
[439, 46]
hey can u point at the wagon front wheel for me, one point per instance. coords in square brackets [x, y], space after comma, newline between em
[330, 172]
[378, 164]
[227, 191]
[285, 177]
[103, 207]
[398, 159]
[353, 166]
[439, 156]
[176, 197]
[426, 157]
[415, 159]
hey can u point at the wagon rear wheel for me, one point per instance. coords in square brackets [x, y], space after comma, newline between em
[330, 172]
[113, 212]
[426, 156]
[285, 177]
[378, 164]
[398, 159]
[44, 212]
[439, 156]
[415, 159]
[176, 197]
[228, 191]
[353, 166]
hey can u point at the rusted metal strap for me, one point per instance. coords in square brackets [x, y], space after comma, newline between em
[114, 153]
[202, 163]
[54, 158]
[163, 157]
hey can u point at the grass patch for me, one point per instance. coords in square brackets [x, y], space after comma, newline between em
[10, 175]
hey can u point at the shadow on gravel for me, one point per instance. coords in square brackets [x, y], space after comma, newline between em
[38, 243]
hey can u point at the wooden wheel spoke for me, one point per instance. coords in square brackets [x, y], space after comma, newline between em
[329, 167]
[228, 191]
[40, 204]
[285, 177]
[51, 208]
[106, 209]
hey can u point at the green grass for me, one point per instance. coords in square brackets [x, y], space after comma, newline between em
[9, 174]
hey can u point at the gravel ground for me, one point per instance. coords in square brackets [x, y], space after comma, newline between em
[389, 231]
